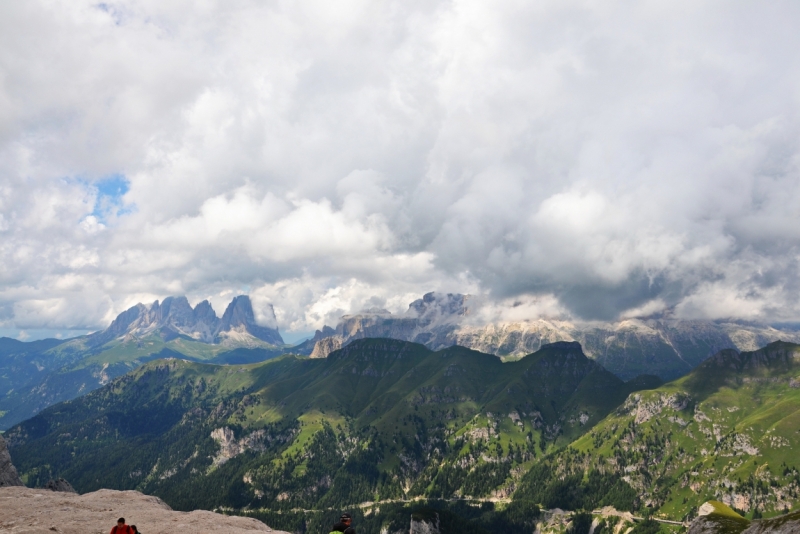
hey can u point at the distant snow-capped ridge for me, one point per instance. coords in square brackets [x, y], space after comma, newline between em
[174, 317]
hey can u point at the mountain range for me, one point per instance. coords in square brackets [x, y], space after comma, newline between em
[666, 347]
[174, 317]
[38, 374]
[379, 419]
[381, 422]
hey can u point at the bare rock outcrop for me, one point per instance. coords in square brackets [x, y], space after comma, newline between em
[425, 524]
[60, 484]
[37, 511]
[8, 473]
[325, 346]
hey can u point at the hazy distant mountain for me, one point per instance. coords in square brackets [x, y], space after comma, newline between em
[41, 373]
[174, 317]
[665, 347]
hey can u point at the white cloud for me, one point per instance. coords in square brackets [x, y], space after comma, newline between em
[557, 158]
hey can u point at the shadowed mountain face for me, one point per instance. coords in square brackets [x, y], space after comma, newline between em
[667, 348]
[380, 418]
[38, 374]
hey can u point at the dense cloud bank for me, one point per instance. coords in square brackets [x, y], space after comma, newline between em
[587, 159]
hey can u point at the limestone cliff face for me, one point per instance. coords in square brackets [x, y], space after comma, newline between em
[325, 346]
[60, 484]
[8, 473]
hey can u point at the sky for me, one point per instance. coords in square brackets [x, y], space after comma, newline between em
[590, 160]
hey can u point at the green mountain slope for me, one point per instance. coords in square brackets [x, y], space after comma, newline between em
[380, 419]
[728, 431]
[41, 374]
[716, 517]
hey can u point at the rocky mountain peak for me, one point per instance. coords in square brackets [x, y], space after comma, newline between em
[238, 313]
[203, 311]
[439, 307]
[174, 317]
[177, 308]
[240, 319]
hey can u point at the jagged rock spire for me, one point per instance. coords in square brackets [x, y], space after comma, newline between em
[174, 317]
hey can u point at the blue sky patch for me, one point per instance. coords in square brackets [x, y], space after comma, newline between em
[110, 191]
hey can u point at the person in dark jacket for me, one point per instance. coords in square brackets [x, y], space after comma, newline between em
[344, 525]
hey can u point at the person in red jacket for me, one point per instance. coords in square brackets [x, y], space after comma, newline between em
[121, 527]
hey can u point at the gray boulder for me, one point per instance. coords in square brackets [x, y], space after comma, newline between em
[60, 484]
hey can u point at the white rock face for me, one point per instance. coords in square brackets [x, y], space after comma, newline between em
[644, 410]
[38, 511]
[325, 346]
[230, 447]
[705, 509]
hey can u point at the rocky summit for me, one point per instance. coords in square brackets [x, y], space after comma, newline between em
[174, 317]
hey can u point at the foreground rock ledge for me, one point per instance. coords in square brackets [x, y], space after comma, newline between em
[41, 511]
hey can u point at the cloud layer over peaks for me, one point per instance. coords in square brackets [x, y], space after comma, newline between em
[588, 159]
